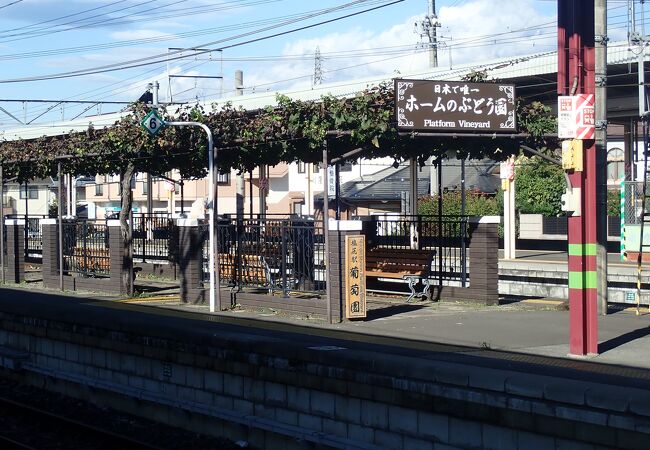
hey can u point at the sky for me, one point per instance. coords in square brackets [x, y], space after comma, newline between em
[44, 38]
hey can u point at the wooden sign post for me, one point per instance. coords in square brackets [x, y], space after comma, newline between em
[355, 276]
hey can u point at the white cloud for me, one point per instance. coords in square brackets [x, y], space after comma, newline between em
[478, 30]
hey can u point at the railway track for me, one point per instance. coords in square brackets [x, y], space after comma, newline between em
[24, 426]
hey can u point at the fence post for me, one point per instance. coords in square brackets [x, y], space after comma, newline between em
[190, 261]
[484, 260]
[117, 256]
[50, 267]
[338, 229]
[285, 229]
[15, 250]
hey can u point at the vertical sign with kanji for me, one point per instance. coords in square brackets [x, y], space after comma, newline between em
[355, 276]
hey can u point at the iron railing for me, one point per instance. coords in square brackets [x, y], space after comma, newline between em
[447, 238]
[283, 255]
[155, 237]
[85, 249]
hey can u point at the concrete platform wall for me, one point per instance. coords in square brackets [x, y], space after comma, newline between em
[275, 395]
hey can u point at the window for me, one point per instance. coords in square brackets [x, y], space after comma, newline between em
[316, 167]
[301, 167]
[99, 190]
[615, 165]
[223, 178]
[145, 187]
[297, 208]
[29, 191]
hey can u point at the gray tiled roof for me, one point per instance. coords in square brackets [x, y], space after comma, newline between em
[389, 183]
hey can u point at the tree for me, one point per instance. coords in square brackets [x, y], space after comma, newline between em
[540, 185]
[293, 130]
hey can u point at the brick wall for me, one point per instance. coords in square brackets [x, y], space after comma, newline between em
[15, 250]
[278, 394]
[118, 261]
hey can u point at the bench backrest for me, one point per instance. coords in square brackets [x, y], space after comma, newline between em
[251, 268]
[399, 260]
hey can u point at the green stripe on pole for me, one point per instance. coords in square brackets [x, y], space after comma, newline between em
[622, 242]
[582, 249]
[583, 280]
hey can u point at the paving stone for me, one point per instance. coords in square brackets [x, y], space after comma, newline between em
[417, 444]
[213, 381]
[389, 440]
[526, 385]
[298, 399]
[335, 427]
[361, 433]
[607, 397]
[563, 444]
[310, 422]
[581, 415]
[323, 403]
[465, 434]
[233, 385]
[534, 441]
[499, 438]
[374, 414]
[347, 409]
[403, 420]
[493, 380]
[435, 426]
[565, 392]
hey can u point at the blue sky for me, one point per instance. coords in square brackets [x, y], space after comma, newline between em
[44, 37]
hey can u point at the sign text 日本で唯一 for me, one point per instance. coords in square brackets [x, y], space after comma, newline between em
[425, 105]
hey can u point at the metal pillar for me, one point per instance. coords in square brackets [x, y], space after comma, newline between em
[326, 231]
[576, 75]
[600, 29]
[60, 225]
[2, 224]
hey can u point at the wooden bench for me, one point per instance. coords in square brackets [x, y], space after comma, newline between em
[412, 266]
[91, 259]
[249, 270]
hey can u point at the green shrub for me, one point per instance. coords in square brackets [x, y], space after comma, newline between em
[476, 204]
[613, 202]
[539, 188]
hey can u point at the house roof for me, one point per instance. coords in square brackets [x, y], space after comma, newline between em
[389, 183]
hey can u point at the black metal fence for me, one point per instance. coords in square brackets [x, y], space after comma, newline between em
[278, 255]
[447, 238]
[155, 237]
[86, 249]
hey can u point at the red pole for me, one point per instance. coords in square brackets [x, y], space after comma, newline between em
[576, 75]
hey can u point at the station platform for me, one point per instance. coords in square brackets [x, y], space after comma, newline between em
[409, 376]
[538, 273]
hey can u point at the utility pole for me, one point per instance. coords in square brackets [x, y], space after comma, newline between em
[576, 75]
[155, 86]
[600, 29]
[428, 27]
[240, 184]
[428, 31]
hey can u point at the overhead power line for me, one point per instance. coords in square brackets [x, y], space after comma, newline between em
[9, 4]
[163, 57]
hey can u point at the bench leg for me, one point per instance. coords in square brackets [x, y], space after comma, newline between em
[426, 292]
[412, 282]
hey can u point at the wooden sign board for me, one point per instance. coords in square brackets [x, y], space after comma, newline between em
[355, 276]
[455, 106]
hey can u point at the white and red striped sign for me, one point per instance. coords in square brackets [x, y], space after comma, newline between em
[576, 117]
